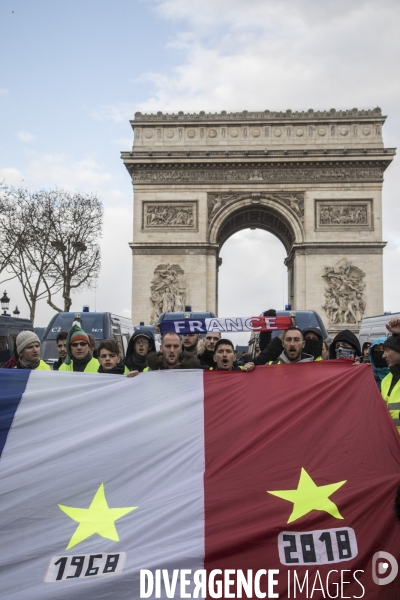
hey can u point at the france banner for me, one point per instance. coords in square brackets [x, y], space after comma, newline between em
[187, 484]
[225, 324]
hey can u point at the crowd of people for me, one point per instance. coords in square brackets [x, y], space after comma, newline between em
[77, 352]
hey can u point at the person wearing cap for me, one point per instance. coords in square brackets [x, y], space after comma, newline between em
[313, 342]
[140, 344]
[79, 358]
[28, 350]
[345, 345]
[390, 386]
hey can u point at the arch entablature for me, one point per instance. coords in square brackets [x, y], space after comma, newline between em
[263, 213]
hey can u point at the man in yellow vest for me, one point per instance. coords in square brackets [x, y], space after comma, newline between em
[78, 356]
[28, 350]
[390, 386]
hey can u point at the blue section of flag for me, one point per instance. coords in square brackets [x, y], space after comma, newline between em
[12, 386]
[184, 326]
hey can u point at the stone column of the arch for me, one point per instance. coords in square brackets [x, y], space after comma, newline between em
[339, 266]
[171, 254]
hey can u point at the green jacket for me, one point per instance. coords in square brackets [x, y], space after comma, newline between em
[392, 401]
[91, 367]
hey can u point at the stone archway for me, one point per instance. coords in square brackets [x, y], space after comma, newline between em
[313, 179]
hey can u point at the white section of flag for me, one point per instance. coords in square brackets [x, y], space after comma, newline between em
[143, 438]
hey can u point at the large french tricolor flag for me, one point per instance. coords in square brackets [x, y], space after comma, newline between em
[275, 483]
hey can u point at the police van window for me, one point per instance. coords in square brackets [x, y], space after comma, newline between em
[91, 323]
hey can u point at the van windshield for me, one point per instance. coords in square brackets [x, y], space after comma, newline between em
[91, 323]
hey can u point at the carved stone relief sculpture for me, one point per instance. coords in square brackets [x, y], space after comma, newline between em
[167, 290]
[344, 293]
[344, 214]
[294, 200]
[156, 215]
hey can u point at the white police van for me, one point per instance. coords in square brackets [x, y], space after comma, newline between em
[374, 327]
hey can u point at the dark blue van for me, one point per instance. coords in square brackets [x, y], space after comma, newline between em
[102, 325]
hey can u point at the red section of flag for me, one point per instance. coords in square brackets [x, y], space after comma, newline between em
[261, 429]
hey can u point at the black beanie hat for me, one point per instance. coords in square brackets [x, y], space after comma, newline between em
[392, 342]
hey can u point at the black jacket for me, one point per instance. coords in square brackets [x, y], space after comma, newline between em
[133, 360]
[206, 359]
[345, 336]
[270, 353]
[186, 361]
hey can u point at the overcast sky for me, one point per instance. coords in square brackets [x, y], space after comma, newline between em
[73, 73]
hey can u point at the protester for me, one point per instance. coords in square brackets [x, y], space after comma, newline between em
[293, 348]
[61, 345]
[28, 350]
[78, 356]
[171, 355]
[365, 350]
[225, 356]
[378, 363]
[12, 362]
[206, 349]
[92, 345]
[325, 350]
[345, 345]
[140, 345]
[190, 342]
[390, 386]
[314, 342]
[110, 359]
[271, 352]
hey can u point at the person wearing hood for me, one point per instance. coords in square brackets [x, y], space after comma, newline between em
[79, 357]
[28, 350]
[390, 386]
[313, 342]
[140, 345]
[345, 345]
[378, 363]
[293, 348]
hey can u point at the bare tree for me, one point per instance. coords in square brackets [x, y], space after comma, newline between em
[75, 223]
[50, 242]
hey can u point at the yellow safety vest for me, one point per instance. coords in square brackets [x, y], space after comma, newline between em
[392, 401]
[91, 367]
[42, 366]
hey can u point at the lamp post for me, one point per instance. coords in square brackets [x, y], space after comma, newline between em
[16, 312]
[5, 301]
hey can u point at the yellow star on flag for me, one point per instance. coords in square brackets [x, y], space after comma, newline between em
[98, 518]
[309, 496]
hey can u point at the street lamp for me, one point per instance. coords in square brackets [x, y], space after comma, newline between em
[16, 312]
[5, 301]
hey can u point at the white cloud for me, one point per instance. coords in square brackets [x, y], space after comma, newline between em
[4, 91]
[124, 143]
[66, 172]
[11, 176]
[25, 137]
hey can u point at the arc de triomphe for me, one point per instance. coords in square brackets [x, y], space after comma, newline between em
[313, 179]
